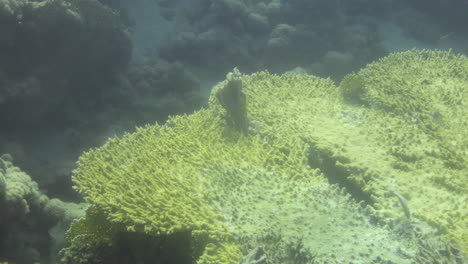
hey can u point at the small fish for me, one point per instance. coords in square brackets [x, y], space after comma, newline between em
[438, 118]
[447, 36]
[403, 202]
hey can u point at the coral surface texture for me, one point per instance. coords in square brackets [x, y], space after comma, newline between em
[373, 170]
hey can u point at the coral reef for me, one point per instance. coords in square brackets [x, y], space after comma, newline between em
[56, 53]
[450, 13]
[254, 35]
[75, 72]
[65, 73]
[229, 94]
[58, 60]
[228, 189]
[160, 89]
[421, 99]
[32, 225]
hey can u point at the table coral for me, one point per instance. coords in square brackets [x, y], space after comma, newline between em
[373, 133]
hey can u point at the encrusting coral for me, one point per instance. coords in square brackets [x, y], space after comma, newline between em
[228, 189]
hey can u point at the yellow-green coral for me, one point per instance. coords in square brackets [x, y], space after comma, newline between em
[398, 123]
[383, 128]
[260, 205]
[148, 180]
[425, 142]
